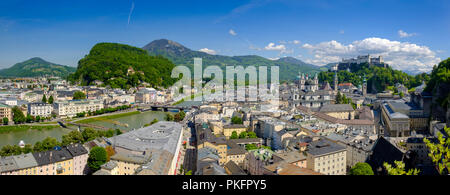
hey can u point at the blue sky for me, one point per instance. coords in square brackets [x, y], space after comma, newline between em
[412, 34]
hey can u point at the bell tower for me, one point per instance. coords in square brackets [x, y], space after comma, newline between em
[336, 81]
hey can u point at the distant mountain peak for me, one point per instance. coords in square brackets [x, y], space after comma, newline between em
[165, 44]
[36, 66]
[181, 55]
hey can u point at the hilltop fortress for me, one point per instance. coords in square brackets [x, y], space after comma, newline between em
[376, 61]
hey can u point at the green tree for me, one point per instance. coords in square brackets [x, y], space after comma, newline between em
[7, 150]
[89, 134]
[243, 135]
[179, 116]
[118, 132]
[38, 118]
[27, 149]
[236, 120]
[5, 121]
[97, 157]
[49, 143]
[44, 99]
[79, 95]
[361, 169]
[249, 147]
[72, 138]
[399, 169]
[169, 117]
[234, 135]
[439, 152]
[38, 147]
[338, 98]
[18, 116]
[50, 100]
[109, 133]
[30, 118]
[252, 135]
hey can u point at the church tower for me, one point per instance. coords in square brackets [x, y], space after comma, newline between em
[364, 87]
[315, 83]
[336, 81]
[302, 82]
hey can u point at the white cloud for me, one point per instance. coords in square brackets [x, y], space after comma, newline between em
[400, 55]
[341, 32]
[295, 42]
[232, 32]
[208, 51]
[273, 47]
[404, 34]
[274, 59]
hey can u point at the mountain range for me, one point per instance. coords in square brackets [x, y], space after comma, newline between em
[181, 55]
[36, 67]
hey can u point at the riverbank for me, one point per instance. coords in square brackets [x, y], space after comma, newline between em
[108, 117]
[31, 136]
[8, 129]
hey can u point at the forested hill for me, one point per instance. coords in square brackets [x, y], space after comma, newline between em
[123, 66]
[439, 87]
[378, 78]
[181, 55]
[37, 67]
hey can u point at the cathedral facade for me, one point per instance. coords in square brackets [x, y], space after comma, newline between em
[307, 93]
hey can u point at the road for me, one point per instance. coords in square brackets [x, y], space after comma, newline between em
[188, 154]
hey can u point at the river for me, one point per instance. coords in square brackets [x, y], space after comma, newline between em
[32, 136]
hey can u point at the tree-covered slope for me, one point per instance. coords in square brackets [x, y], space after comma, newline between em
[37, 67]
[439, 87]
[180, 55]
[123, 66]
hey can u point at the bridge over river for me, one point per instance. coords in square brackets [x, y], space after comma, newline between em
[79, 125]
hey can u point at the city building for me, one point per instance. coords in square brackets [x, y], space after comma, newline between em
[80, 156]
[340, 111]
[72, 108]
[54, 162]
[6, 112]
[70, 160]
[384, 152]
[229, 129]
[40, 109]
[231, 168]
[257, 159]
[326, 157]
[418, 118]
[154, 149]
[420, 149]
[206, 138]
[26, 164]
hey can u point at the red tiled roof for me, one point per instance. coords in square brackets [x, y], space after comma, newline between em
[345, 84]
